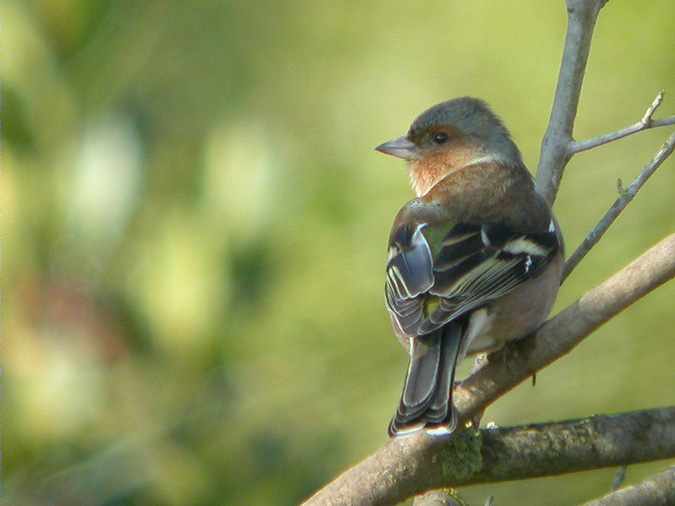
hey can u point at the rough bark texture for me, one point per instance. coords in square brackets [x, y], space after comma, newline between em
[411, 465]
[406, 466]
[659, 490]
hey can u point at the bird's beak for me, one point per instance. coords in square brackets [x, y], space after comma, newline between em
[400, 148]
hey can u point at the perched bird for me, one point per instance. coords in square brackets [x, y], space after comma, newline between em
[474, 261]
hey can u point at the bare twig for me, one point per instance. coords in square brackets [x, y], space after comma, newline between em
[645, 123]
[558, 145]
[618, 206]
[582, 15]
[659, 490]
[406, 466]
[619, 478]
[399, 469]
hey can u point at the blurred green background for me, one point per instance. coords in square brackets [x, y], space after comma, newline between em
[194, 226]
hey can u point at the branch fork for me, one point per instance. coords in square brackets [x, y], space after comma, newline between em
[411, 465]
[646, 122]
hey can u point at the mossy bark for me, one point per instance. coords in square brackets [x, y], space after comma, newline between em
[409, 466]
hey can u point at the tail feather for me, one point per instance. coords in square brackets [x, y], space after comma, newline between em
[420, 382]
[440, 406]
[426, 398]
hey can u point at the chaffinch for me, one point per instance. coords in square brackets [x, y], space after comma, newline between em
[474, 261]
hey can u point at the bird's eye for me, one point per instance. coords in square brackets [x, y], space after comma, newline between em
[440, 137]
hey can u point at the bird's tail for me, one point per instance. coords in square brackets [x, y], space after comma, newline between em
[426, 400]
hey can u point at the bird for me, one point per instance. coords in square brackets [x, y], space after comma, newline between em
[474, 260]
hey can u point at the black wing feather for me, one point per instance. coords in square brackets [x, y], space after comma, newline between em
[474, 265]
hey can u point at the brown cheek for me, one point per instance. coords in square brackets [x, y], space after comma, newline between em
[428, 168]
[435, 165]
[455, 156]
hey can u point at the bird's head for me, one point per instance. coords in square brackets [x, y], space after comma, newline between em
[450, 136]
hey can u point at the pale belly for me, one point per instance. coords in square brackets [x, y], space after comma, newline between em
[516, 315]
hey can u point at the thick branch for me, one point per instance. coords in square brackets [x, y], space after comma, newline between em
[645, 123]
[659, 490]
[558, 336]
[409, 465]
[619, 205]
[555, 153]
[398, 469]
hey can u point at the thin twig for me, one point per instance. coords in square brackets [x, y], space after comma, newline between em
[618, 206]
[407, 466]
[658, 490]
[645, 123]
[400, 468]
[582, 15]
[619, 478]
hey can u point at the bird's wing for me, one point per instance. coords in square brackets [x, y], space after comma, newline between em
[434, 278]
[409, 275]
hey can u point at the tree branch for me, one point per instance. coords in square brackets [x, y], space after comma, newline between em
[410, 465]
[581, 18]
[645, 123]
[558, 145]
[619, 478]
[659, 490]
[558, 336]
[619, 205]
[437, 498]
[399, 469]
[406, 466]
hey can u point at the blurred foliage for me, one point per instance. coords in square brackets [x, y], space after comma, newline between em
[194, 221]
